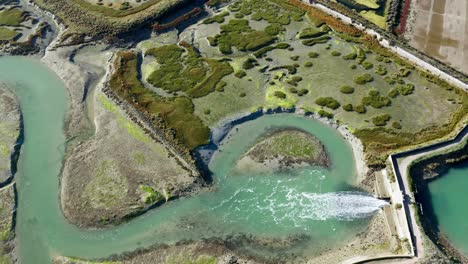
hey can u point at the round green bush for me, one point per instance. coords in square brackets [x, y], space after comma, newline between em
[313, 54]
[240, 74]
[295, 57]
[381, 120]
[347, 89]
[308, 64]
[329, 102]
[361, 109]
[348, 107]
[280, 95]
[336, 53]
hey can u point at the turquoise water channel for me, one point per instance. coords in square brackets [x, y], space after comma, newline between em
[311, 209]
[448, 195]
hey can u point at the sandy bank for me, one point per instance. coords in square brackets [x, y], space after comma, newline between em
[10, 132]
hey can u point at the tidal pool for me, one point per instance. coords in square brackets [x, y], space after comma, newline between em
[311, 209]
[448, 197]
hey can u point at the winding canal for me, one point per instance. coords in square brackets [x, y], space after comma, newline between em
[315, 204]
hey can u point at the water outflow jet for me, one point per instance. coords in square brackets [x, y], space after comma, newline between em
[287, 206]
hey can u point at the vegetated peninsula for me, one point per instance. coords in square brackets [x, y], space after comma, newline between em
[284, 149]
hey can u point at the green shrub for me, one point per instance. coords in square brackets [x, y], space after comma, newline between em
[167, 54]
[367, 65]
[406, 89]
[313, 54]
[352, 66]
[326, 114]
[380, 70]
[216, 19]
[220, 86]
[302, 92]
[274, 29]
[311, 33]
[296, 78]
[308, 64]
[207, 111]
[396, 125]
[350, 56]
[280, 95]
[335, 53]
[393, 93]
[381, 120]
[329, 102]
[361, 109]
[240, 74]
[239, 15]
[363, 79]
[313, 41]
[295, 57]
[389, 80]
[291, 69]
[404, 72]
[261, 52]
[348, 107]
[242, 95]
[375, 100]
[249, 64]
[347, 89]
[293, 90]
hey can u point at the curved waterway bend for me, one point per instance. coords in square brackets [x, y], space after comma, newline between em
[315, 205]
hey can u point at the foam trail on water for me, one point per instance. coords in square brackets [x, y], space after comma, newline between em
[334, 205]
[288, 207]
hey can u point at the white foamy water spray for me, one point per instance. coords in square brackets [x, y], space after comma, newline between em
[335, 205]
[287, 206]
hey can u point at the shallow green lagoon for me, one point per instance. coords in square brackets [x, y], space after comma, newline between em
[448, 194]
[314, 207]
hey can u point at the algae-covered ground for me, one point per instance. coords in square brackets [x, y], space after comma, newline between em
[284, 149]
[120, 171]
[7, 207]
[303, 59]
[9, 131]
[20, 30]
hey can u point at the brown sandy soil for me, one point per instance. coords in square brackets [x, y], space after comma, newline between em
[7, 208]
[119, 171]
[9, 130]
[439, 28]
